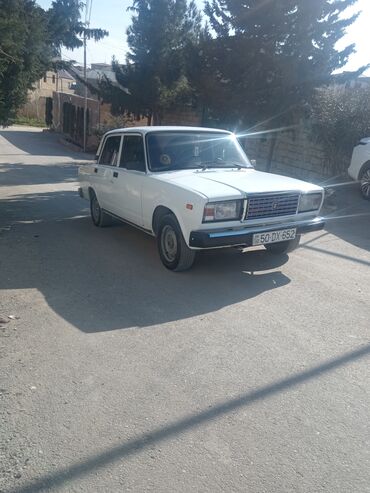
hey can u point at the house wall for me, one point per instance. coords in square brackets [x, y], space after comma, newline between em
[44, 88]
[50, 83]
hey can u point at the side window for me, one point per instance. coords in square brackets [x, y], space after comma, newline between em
[109, 154]
[132, 156]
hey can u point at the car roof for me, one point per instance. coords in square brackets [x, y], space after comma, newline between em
[173, 128]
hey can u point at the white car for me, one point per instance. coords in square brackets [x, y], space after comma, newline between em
[195, 189]
[359, 168]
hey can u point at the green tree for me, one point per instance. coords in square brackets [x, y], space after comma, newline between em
[154, 74]
[24, 54]
[268, 57]
[65, 27]
[30, 39]
[340, 118]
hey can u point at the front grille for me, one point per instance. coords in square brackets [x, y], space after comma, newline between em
[263, 206]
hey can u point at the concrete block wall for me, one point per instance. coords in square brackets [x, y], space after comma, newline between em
[296, 154]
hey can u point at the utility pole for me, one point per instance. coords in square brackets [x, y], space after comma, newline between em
[85, 92]
[88, 6]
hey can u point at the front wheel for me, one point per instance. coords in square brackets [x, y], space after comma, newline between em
[283, 246]
[365, 184]
[173, 251]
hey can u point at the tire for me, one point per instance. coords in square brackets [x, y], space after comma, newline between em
[100, 218]
[173, 251]
[283, 246]
[365, 183]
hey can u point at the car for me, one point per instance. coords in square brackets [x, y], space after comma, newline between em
[195, 189]
[359, 168]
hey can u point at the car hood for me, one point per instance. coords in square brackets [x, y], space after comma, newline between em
[233, 183]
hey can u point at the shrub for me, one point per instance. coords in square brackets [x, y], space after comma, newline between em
[340, 118]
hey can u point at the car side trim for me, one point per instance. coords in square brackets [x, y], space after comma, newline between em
[148, 231]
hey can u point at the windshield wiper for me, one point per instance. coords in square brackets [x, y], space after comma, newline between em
[222, 164]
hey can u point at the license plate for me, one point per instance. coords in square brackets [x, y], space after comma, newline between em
[274, 236]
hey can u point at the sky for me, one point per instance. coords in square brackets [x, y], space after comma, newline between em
[112, 15]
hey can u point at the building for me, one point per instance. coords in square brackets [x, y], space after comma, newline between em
[59, 81]
[67, 110]
[94, 74]
[342, 85]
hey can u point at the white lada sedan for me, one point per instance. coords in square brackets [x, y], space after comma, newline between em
[195, 189]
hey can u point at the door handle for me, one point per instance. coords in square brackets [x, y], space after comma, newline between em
[95, 170]
[115, 174]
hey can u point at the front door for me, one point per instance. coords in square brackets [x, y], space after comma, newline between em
[129, 180]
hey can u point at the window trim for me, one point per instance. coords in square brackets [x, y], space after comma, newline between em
[134, 134]
[119, 151]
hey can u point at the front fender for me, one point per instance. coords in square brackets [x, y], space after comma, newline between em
[186, 205]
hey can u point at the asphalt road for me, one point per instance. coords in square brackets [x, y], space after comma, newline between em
[250, 373]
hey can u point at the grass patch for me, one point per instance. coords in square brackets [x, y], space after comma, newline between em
[30, 122]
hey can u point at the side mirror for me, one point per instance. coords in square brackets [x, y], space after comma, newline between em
[96, 157]
[253, 162]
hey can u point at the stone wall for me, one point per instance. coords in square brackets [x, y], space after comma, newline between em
[296, 154]
[182, 116]
[34, 109]
[108, 121]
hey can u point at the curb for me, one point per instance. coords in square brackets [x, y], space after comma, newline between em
[70, 145]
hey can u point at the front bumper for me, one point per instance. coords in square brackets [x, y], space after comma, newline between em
[231, 237]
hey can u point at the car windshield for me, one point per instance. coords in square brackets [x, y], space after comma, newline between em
[191, 150]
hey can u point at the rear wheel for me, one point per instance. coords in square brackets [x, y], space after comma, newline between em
[173, 251]
[365, 183]
[283, 246]
[98, 216]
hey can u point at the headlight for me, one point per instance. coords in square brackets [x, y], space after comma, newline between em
[310, 202]
[223, 211]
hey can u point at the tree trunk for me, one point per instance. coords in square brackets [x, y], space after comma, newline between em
[156, 117]
[273, 141]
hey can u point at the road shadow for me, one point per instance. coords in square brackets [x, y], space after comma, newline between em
[16, 174]
[347, 215]
[168, 431]
[112, 278]
[39, 143]
[40, 208]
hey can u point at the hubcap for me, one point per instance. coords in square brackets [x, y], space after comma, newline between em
[95, 209]
[169, 243]
[365, 183]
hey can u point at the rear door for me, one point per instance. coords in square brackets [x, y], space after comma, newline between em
[128, 184]
[106, 170]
